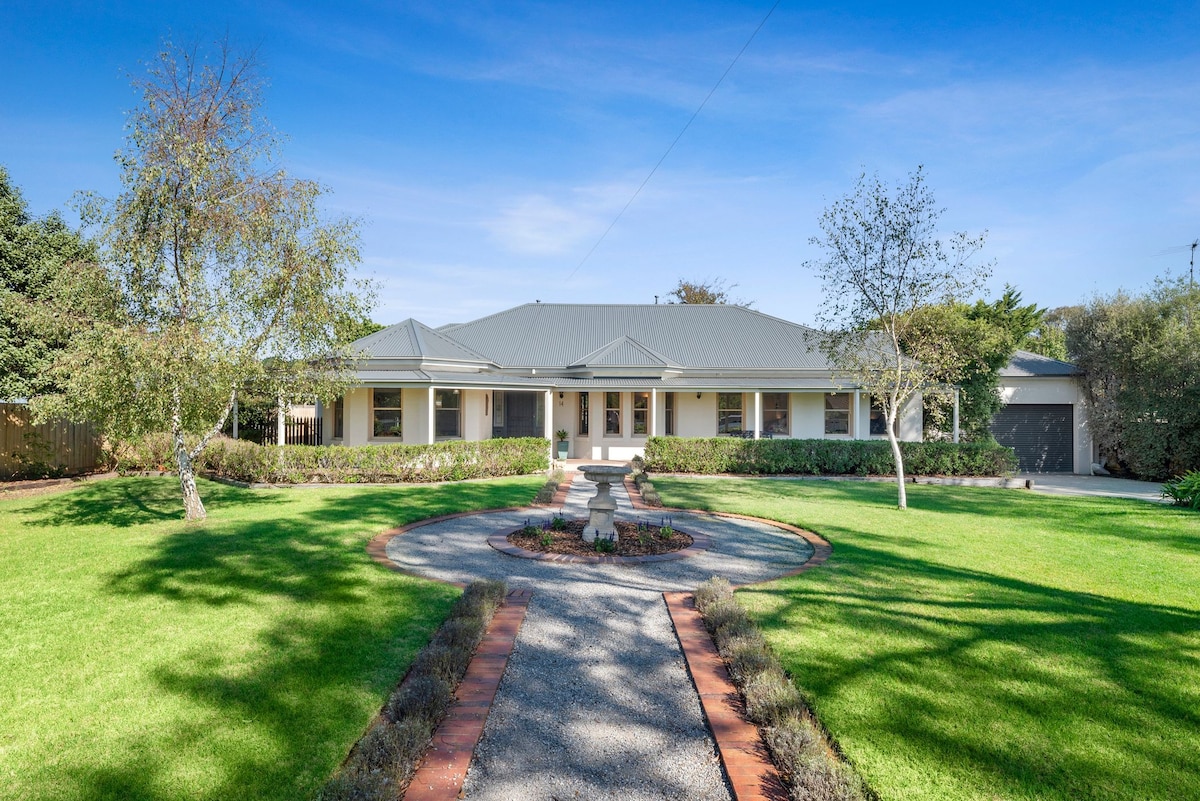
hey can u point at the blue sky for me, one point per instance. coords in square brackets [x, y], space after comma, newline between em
[486, 147]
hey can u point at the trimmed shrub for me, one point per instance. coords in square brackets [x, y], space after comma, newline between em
[808, 763]
[383, 761]
[243, 460]
[817, 457]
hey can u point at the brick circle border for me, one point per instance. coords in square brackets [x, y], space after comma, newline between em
[700, 544]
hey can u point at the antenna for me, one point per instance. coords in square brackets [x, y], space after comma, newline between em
[1192, 264]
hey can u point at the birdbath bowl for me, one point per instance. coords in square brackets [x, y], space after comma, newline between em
[603, 505]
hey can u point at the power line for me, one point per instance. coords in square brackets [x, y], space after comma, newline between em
[691, 119]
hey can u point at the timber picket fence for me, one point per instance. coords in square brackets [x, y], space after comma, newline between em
[69, 448]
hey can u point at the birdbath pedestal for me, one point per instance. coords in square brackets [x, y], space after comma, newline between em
[603, 505]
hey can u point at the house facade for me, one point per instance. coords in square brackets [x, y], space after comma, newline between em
[608, 375]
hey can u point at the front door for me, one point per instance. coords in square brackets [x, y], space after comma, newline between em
[516, 415]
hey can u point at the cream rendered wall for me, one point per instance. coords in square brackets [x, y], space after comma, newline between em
[356, 417]
[474, 424]
[1055, 390]
[695, 417]
[808, 415]
[912, 420]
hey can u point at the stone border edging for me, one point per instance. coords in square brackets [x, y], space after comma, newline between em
[752, 776]
[700, 544]
[443, 767]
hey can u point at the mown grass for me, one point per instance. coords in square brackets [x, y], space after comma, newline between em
[146, 658]
[989, 644]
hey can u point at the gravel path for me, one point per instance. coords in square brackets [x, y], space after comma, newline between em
[596, 702]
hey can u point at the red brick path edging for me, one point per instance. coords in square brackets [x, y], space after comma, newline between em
[443, 768]
[752, 776]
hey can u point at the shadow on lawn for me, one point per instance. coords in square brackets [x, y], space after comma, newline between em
[132, 501]
[288, 705]
[1059, 694]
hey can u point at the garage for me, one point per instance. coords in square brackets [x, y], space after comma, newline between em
[1040, 433]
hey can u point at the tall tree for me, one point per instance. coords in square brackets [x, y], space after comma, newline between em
[34, 254]
[220, 259]
[883, 260]
[708, 291]
[1140, 360]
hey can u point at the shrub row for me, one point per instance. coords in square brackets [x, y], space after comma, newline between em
[382, 763]
[807, 761]
[340, 464]
[825, 457]
[650, 495]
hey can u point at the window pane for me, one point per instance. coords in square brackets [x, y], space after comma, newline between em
[837, 402]
[729, 400]
[669, 408]
[584, 414]
[446, 398]
[612, 412]
[387, 398]
[729, 412]
[837, 422]
[641, 400]
[339, 417]
[387, 423]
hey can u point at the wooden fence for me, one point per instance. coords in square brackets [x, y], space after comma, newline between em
[71, 448]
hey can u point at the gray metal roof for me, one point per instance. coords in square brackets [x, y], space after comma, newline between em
[1033, 365]
[693, 384]
[698, 336]
[415, 340]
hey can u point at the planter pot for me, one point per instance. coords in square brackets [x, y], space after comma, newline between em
[562, 450]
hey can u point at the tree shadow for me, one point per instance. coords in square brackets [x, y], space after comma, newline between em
[329, 632]
[1051, 692]
[131, 501]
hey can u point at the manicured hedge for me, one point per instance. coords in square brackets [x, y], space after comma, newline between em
[824, 457]
[339, 464]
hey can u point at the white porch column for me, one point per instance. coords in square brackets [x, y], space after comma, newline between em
[654, 411]
[757, 413]
[548, 423]
[956, 414]
[235, 417]
[429, 429]
[854, 430]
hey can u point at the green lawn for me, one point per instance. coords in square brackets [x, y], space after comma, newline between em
[989, 644]
[145, 658]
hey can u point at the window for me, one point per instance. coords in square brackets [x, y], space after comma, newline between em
[584, 414]
[729, 413]
[775, 412]
[339, 417]
[879, 420]
[612, 413]
[641, 413]
[447, 403]
[669, 413]
[385, 413]
[837, 414]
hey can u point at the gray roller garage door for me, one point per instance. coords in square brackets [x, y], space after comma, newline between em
[1040, 433]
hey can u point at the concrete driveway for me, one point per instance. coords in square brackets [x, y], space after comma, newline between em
[1097, 486]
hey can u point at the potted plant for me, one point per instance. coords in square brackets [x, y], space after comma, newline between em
[561, 435]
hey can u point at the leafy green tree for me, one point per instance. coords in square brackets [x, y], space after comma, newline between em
[348, 328]
[1140, 358]
[1050, 336]
[708, 291]
[220, 260]
[883, 260]
[36, 255]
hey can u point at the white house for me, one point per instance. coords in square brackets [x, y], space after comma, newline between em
[609, 375]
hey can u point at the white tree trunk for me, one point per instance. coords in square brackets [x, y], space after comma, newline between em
[902, 494]
[192, 505]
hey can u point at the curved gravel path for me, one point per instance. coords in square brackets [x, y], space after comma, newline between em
[596, 702]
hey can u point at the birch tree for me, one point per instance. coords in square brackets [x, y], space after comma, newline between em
[220, 260]
[882, 260]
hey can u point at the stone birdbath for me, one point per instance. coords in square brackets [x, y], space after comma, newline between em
[603, 505]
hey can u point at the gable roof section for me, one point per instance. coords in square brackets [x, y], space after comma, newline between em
[415, 340]
[624, 352]
[1025, 364]
[698, 336]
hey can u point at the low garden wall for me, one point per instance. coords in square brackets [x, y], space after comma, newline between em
[713, 455]
[242, 460]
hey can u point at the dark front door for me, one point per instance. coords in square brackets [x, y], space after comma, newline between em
[520, 415]
[1040, 433]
